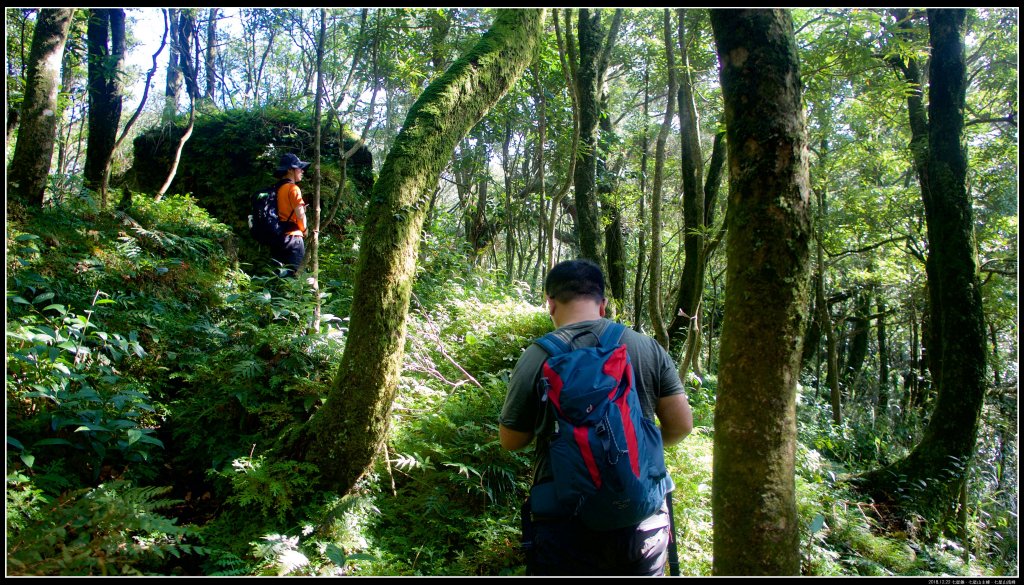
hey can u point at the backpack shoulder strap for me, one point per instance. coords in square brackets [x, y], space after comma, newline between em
[553, 344]
[612, 334]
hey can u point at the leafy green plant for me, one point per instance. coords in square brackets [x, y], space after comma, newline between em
[62, 369]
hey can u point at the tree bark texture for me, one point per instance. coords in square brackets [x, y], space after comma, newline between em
[33, 153]
[614, 241]
[756, 531]
[211, 56]
[172, 88]
[588, 226]
[691, 282]
[106, 44]
[928, 480]
[346, 433]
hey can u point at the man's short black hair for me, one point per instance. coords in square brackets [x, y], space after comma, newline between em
[572, 279]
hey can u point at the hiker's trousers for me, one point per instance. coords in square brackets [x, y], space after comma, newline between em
[289, 253]
[567, 547]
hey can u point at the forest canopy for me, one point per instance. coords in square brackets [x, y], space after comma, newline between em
[823, 236]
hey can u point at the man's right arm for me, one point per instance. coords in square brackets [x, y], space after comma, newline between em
[521, 403]
[513, 440]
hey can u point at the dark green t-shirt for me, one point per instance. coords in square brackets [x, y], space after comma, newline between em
[655, 374]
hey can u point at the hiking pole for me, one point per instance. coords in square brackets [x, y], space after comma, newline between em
[673, 550]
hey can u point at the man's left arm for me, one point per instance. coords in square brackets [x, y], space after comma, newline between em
[675, 417]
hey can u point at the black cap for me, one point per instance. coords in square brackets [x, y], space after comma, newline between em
[290, 161]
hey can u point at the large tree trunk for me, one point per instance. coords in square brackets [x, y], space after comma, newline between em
[928, 480]
[172, 88]
[188, 42]
[654, 295]
[593, 61]
[588, 224]
[106, 91]
[756, 531]
[614, 241]
[33, 153]
[348, 430]
[211, 57]
[691, 282]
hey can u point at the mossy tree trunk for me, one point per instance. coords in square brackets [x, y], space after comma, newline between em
[928, 480]
[594, 50]
[106, 44]
[614, 240]
[30, 166]
[585, 179]
[691, 282]
[753, 493]
[346, 433]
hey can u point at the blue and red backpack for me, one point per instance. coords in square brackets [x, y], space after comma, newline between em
[607, 457]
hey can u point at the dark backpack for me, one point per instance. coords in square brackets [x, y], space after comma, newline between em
[264, 223]
[607, 457]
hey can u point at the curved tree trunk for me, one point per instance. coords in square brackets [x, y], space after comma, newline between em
[641, 252]
[654, 295]
[347, 431]
[756, 530]
[33, 153]
[928, 480]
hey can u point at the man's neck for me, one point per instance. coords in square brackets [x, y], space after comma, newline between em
[575, 312]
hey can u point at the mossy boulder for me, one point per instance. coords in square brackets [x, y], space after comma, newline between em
[232, 154]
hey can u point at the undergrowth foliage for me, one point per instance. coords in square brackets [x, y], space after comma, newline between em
[447, 490]
[140, 356]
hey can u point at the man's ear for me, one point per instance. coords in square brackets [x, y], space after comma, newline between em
[603, 306]
[551, 306]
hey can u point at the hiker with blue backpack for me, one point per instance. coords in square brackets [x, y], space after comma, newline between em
[589, 393]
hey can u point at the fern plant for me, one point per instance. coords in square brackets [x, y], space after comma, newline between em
[113, 529]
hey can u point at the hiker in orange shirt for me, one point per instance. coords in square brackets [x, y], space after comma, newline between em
[291, 209]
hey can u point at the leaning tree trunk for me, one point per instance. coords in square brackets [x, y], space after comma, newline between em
[30, 166]
[928, 480]
[106, 91]
[654, 294]
[756, 531]
[347, 431]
